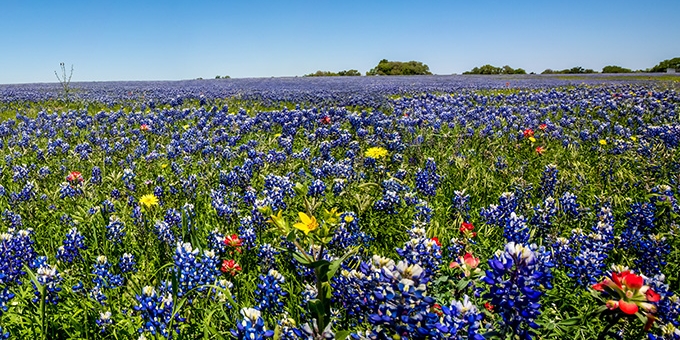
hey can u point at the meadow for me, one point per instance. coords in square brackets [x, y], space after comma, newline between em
[456, 207]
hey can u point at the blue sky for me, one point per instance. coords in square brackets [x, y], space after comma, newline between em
[173, 40]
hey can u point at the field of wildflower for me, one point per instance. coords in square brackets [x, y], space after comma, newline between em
[355, 208]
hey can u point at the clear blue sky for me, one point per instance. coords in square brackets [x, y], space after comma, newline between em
[173, 40]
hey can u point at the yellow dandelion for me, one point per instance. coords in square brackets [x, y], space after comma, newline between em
[633, 138]
[148, 200]
[307, 223]
[375, 152]
[603, 142]
[532, 139]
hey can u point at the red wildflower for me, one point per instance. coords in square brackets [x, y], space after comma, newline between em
[540, 150]
[230, 267]
[74, 176]
[233, 241]
[436, 240]
[145, 127]
[437, 309]
[325, 120]
[543, 126]
[488, 306]
[528, 133]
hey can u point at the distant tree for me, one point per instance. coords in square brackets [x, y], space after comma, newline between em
[397, 68]
[490, 69]
[666, 64]
[349, 73]
[573, 70]
[225, 77]
[615, 69]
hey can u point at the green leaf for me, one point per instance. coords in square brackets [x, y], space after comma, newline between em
[335, 265]
[342, 335]
[291, 236]
[570, 322]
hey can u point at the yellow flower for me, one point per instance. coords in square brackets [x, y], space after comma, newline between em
[532, 139]
[148, 200]
[164, 165]
[307, 224]
[603, 142]
[349, 219]
[375, 152]
[633, 138]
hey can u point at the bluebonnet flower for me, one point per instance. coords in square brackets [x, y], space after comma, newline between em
[269, 294]
[568, 204]
[461, 320]
[549, 180]
[5, 296]
[498, 215]
[186, 268]
[246, 232]
[12, 218]
[164, 232]
[461, 204]
[189, 215]
[115, 230]
[427, 179]
[348, 234]
[317, 188]
[156, 310]
[422, 251]
[173, 217]
[104, 321]
[107, 207]
[127, 263]
[267, 256]
[103, 277]
[516, 229]
[96, 177]
[16, 251]
[69, 190]
[72, 245]
[216, 242]
[515, 280]
[48, 278]
[252, 326]
[543, 216]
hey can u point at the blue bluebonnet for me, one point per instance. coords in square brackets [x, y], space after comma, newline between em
[267, 256]
[5, 297]
[69, 190]
[72, 245]
[423, 251]
[107, 207]
[269, 293]
[173, 217]
[115, 230]
[48, 277]
[216, 242]
[461, 320]
[543, 215]
[427, 180]
[104, 321]
[516, 229]
[568, 204]
[156, 310]
[16, 251]
[549, 180]
[317, 188]
[164, 232]
[96, 177]
[252, 326]
[461, 204]
[127, 263]
[103, 277]
[515, 277]
[498, 215]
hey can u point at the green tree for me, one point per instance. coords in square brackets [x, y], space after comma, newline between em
[666, 64]
[397, 68]
[490, 69]
[615, 69]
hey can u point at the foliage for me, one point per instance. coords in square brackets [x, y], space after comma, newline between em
[615, 69]
[489, 69]
[573, 70]
[334, 74]
[666, 64]
[398, 68]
